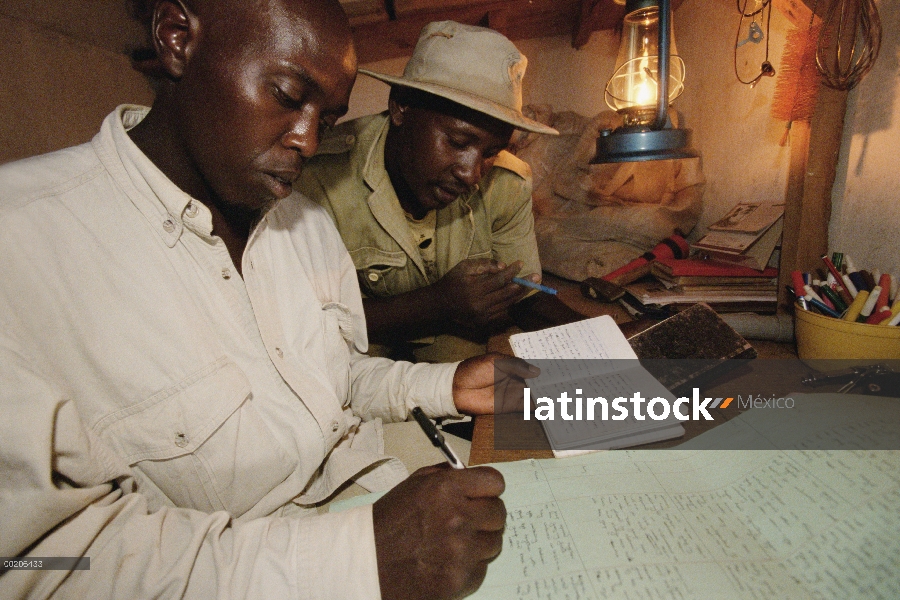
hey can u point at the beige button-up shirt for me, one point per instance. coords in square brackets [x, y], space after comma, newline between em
[169, 418]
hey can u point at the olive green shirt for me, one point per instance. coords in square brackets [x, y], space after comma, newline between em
[348, 177]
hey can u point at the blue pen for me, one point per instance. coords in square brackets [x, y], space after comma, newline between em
[822, 308]
[533, 285]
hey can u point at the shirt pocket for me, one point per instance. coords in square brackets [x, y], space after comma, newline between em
[200, 444]
[381, 273]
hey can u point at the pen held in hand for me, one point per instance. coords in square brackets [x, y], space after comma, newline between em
[437, 438]
[533, 285]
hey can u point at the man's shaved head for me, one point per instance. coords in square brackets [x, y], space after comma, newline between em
[249, 85]
[143, 9]
[246, 16]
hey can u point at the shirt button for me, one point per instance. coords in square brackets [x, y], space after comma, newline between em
[334, 426]
[226, 273]
[181, 440]
[169, 225]
[350, 139]
[279, 352]
[373, 276]
[191, 210]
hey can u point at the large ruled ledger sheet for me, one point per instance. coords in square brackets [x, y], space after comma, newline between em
[700, 522]
[682, 524]
[703, 523]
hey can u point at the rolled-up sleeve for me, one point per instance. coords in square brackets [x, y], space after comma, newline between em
[388, 390]
[64, 493]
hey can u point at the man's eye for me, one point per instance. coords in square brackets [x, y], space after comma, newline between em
[458, 143]
[286, 100]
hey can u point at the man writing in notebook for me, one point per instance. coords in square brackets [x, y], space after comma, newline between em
[435, 212]
[181, 347]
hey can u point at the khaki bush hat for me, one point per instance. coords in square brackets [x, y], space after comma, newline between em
[473, 66]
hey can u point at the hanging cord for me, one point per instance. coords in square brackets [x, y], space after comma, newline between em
[844, 57]
[744, 12]
[766, 68]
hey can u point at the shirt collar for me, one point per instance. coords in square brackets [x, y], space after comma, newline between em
[164, 204]
[374, 171]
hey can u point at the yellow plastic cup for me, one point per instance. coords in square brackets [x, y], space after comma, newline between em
[821, 337]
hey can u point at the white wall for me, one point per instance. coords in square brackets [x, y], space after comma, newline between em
[738, 139]
[865, 221]
[369, 95]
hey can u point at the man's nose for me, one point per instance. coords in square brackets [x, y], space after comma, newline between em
[303, 136]
[469, 169]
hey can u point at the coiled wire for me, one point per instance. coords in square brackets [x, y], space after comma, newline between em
[843, 57]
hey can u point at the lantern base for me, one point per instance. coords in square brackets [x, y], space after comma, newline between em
[635, 144]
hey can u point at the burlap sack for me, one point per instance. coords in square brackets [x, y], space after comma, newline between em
[592, 219]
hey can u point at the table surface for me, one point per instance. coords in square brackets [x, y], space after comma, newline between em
[787, 379]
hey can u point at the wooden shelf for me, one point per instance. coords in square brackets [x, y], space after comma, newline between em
[386, 29]
[516, 19]
[365, 11]
[598, 15]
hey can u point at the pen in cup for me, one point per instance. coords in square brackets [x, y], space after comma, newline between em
[836, 300]
[869, 306]
[808, 299]
[533, 285]
[437, 438]
[854, 309]
[839, 280]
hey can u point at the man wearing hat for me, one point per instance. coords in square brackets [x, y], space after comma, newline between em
[435, 213]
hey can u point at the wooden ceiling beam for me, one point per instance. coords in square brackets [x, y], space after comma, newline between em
[392, 33]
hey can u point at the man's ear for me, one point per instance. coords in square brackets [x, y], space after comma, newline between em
[174, 32]
[397, 112]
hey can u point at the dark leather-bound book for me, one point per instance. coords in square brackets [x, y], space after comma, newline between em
[689, 348]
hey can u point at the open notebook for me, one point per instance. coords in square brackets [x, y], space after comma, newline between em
[592, 357]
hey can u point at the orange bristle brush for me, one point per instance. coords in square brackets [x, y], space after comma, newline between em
[797, 81]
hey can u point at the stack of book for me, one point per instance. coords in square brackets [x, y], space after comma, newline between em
[747, 235]
[676, 284]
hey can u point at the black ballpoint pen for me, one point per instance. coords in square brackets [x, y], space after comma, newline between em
[437, 438]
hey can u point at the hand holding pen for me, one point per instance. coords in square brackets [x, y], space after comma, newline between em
[436, 532]
[477, 292]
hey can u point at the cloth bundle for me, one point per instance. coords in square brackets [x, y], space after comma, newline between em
[592, 219]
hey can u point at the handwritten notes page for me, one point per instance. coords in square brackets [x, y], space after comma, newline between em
[595, 338]
[599, 345]
[684, 524]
